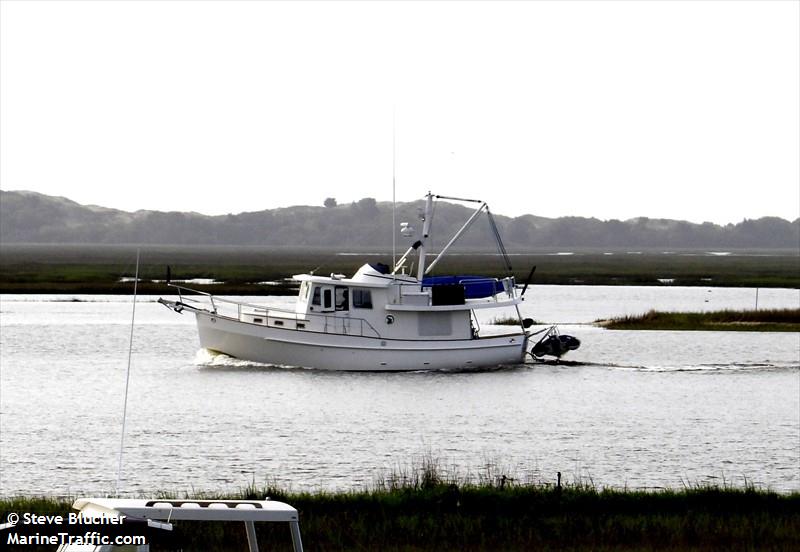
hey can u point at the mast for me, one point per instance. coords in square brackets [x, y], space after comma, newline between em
[426, 228]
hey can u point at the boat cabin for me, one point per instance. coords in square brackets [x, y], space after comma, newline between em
[378, 304]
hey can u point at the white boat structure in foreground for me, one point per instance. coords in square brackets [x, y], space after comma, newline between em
[149, 517]
[380, 319]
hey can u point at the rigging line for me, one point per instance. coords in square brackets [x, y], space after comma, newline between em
[499, 240]
[127, 377]
[119, 281]
[459, 199]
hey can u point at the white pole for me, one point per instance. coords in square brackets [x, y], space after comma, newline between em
[394, 222]
[127, 377]
[426, 228]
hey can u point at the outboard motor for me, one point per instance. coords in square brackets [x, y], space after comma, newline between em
[554, 344]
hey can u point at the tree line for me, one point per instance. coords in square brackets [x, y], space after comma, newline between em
[28, 217]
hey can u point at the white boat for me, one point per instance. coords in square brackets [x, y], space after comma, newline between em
[380, 319]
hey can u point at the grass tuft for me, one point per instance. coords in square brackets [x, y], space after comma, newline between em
[772, 320]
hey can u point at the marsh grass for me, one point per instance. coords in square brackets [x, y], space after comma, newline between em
[31, 268]
[505, 321]
[784, 320]
[428, 506]
[510, 321]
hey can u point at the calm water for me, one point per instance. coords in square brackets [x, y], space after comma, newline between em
[642, 409]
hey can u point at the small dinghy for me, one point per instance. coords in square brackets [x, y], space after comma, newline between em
[554, 344]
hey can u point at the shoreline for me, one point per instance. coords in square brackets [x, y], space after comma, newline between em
[425, 512]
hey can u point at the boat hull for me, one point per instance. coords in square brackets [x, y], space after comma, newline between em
[325, 351]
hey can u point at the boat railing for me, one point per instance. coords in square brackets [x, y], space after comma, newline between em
[327, 323]
[500, 286]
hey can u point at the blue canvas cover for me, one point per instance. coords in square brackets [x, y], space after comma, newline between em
[475, 287]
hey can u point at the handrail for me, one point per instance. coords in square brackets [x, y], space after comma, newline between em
[267, 309]
[497, 284]
[211, 296]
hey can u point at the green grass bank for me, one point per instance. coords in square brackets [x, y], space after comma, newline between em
[437, 515]
[767, 320]
[35, 268]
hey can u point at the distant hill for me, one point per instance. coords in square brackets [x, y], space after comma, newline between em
[30, 217]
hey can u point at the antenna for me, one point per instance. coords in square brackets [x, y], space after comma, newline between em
[127, 377]
[394, 216]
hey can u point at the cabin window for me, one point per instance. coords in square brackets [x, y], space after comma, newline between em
[327, 299]
[315, 300]
[342, 299]
[362, 298]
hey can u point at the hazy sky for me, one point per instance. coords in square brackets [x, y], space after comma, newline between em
[686, 109]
